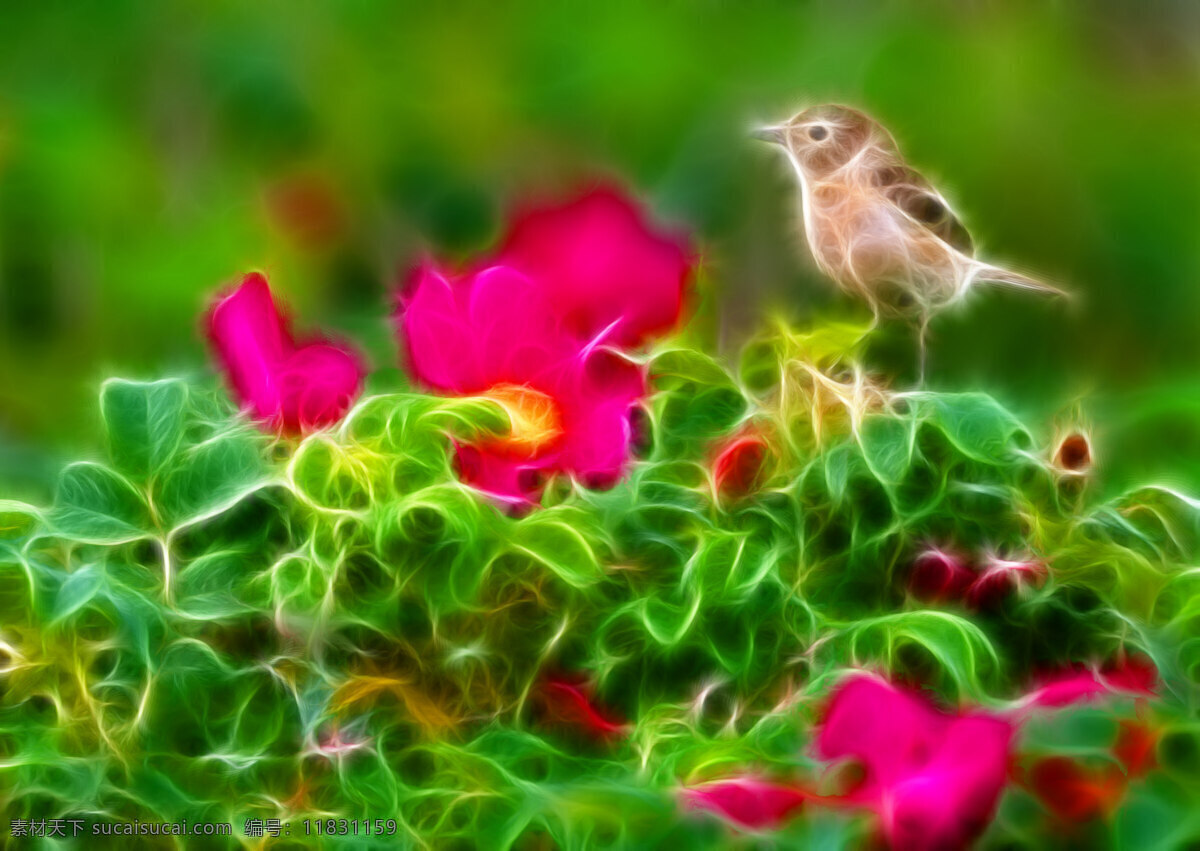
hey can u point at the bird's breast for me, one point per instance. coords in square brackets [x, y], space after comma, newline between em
[867, 247]
[851, 234]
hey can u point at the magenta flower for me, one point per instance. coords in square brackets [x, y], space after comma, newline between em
[601, 266]
[493, 333]
[291, 387]
[538, 333]
[932, 777]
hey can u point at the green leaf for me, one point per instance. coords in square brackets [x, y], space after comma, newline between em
[887, 445]
[692, 366]
[552, 537]
[96, 505]
[1167, 518]
[697, 400]
[975, 423]
[75, 592]
[759, 366]
[697, 414]
[826, 343]
[144, 422]
[215, 585]
[668, 619]
[958, 645]
[468, 417]
[17, 519]
[335, 476]
[837, 472]
[210, 477]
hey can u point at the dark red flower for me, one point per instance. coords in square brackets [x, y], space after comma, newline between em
[747, 801]
[739, 466]
[1134, 676]
[1074, 454]
[1000, 578]
[568, 703]
[1135, 747]
[1135, 673]
[938, 575]
[1075, 793]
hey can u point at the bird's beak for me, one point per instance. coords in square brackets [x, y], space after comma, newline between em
[776, 135]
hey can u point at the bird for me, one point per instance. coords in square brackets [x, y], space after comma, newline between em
[875, 225]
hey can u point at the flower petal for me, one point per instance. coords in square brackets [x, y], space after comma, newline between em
[939, 575]
[514, 480]
[889, 731]
[317, 386]
[747, 801]
[251, 341]
[442, 350]
[598, 392]
[571, 704]
[933, 777]
[951, 800]
[517, 336]
[601, 264]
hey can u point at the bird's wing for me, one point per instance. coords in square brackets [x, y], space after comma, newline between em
[913, 195]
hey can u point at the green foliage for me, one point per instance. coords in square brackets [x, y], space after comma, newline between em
[96, 505]
[144, 422]
[214, 625]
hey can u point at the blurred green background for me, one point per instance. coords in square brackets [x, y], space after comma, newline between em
[153, 152]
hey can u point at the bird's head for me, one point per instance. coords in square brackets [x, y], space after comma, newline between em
[822, 139]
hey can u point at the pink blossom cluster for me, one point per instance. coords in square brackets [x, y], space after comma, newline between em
[543, 327]
[933, 777]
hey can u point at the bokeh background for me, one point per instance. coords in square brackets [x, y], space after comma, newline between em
[152, 152]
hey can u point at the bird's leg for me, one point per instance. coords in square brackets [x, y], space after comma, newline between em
[874, 317]
[922, 349]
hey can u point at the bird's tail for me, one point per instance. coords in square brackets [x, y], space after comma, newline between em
[985, 273]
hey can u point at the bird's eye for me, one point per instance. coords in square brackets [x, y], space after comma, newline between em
[818, 132]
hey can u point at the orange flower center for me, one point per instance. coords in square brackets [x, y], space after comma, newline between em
[536, 421]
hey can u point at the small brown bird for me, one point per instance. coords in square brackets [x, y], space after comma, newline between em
[875, 225]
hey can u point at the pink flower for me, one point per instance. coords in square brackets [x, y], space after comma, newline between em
[601, 266]
[494, 333]
[747, 801]
[291, 387]
[537, 331]
[932, 777]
